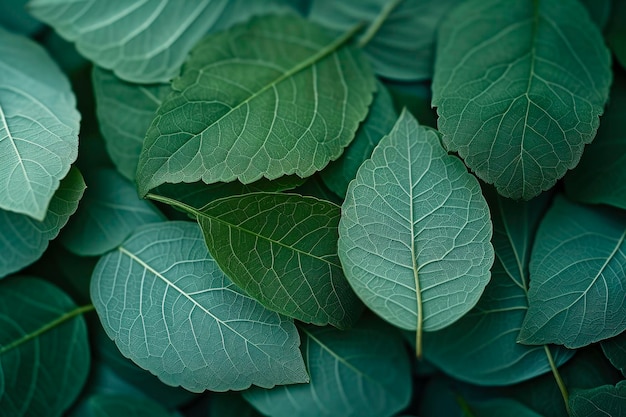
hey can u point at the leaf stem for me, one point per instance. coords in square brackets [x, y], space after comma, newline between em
[559, 380]
[377, 23]
[174, 203]
[465, 408]
[48, 326]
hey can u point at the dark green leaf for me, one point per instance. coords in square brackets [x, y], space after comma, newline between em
[116, 405]
[616, 31]
[599, 11]
[606, 400]
[615, 351]
[231, 404]
[15, 18]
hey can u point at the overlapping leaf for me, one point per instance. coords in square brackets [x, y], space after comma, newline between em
[38, 126]
[615, 351]
[519, 87]
[273, 97]
[606, 400]
[114, 405]
[170, 309]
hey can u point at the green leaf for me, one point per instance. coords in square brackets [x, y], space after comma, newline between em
[606, 400]
[281, 249]
[364, 372]
[414, 232]
[285, 98]
[577, 290]
[170, 309]
[616, 31]
[125, 112]
[231, 404]
[600, 177]
[143, 42]
[416, 97]
[502, 407]
[15, 18]
[114, 405]
[615, 351]
[23, 240]
[380, 120]
[519, 87]
[44, 351]
[486, 337]
[400, 42]
[38, 126]
[108, 214]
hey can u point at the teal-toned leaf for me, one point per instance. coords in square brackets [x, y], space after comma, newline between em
[15, 18]
[577, 275]
[486, 337]
[281, 249]
[38, 126]
[44, 351]
[65, 54]
[143, 42]
[447, 397]
[599, 11]
[615, 351]
[380, 120]
[606, 400]
[401, 37]
[519, 87]
[416, 98]
[125, 111]
[361, 372]
[600, 176]
[230, 404]
[616, 31]
[277, 96]
[108, 214]
[115, 405]
[23, 240]
[170, 309]
[414, 236]
[501, 407]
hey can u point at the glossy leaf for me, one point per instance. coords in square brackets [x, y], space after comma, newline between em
[519, 87]
[401, 37]
[38, 126]
[615, 351]
[361, 372]
[288, 106]
[606, 400]
[143, 42]
[112, 405]
[44, 351]
[577, 274]
[170, 309]
[23, 240]
[414, 236]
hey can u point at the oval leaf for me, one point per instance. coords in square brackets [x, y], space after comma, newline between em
[44, 351]
[285, 98]
[519, 87]
[414, 236]
[170, 309]
[606, 400]
[38, 126]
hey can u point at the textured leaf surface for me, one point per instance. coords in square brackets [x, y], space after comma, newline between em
[125, 111]
[114, 405]
[414, 236]
[519, 87]
[281, 249]
[606, 400]
[170, 309]
[147, 41]
[361, 372]
[615, 351]
[486, 337]
[44, 351]
[38, 126]
[403, 43]
[273, 97]
[23, 240]
[578, 276]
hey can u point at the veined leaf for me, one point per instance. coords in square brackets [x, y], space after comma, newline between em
[606, 400]
[170, 309]
[147, 41]
[486, 337]
[38, 126]
[125, 112]
[519, 87]
[361, 372]
[400, 41]
[23, 240]
[277, 96]
[615, 351]
[414, 236]
[44, 351]
[281, 249]
[114, 405]
[577, 276]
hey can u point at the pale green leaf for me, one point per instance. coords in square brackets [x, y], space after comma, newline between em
[401, 38]
[23, 240]
[577, 276]
[44, 351]
[361, 372]
[38, 126]
[146, 41]
[414, 236]
[519, 87]
[118, 405]
[125, 112]
[606, 400]
[169, 308]
[109, 212]
[273, 97]
[615, 351]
